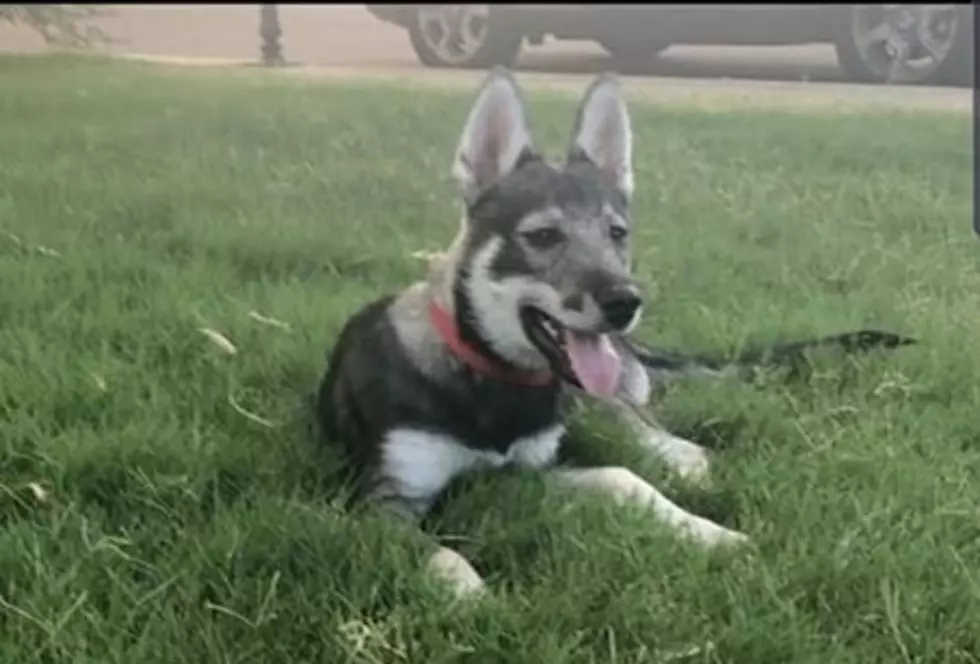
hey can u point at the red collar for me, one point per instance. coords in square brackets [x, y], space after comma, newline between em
[445, 326]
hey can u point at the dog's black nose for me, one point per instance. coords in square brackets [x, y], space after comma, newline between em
[619, 305]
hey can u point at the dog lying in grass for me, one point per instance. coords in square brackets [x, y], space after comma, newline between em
[533, 303]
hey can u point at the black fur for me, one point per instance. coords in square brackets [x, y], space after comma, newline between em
[369, 369]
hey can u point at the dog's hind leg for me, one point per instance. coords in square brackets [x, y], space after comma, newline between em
[416, 466]
[456, 571]
[626, 487]
[444, 564]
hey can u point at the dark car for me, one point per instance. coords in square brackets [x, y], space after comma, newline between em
[874, 43]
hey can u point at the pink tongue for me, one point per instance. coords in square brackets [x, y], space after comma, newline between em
[594, 361]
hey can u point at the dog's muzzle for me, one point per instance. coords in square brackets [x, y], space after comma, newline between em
[585, 359]
[619, 305]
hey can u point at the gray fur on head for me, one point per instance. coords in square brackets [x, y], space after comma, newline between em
[554, 237]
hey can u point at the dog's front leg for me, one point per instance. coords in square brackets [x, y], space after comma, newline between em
[687, 459]
[626, 487]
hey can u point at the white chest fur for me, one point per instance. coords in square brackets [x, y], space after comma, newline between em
[420, 464]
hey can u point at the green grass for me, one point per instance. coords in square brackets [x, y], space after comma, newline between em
[178, 530]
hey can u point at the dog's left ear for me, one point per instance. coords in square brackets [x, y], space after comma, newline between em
[602, 134]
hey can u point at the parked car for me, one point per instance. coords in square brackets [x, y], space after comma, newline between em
[874, 43]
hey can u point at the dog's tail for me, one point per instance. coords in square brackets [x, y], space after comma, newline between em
[661, 363]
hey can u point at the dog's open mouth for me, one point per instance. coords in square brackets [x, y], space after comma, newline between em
[585, 359]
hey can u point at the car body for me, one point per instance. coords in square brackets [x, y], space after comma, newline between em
[932, 43]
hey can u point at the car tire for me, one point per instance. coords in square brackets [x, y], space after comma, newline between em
[633, 56]
[956, 68]
[500, 43]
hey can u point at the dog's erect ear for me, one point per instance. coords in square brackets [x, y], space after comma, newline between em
[603, 135]
[495, 136]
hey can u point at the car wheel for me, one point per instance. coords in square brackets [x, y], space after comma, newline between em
[467, 36]
[633, 55]
[905, 43]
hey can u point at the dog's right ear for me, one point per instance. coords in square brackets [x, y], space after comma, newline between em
[495, 137]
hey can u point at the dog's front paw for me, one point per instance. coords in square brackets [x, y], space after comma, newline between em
[711, 535]
[693, 464]
[685, 458]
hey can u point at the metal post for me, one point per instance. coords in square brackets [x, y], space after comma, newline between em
[270, 31]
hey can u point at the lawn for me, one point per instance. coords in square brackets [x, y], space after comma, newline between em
[163, 500]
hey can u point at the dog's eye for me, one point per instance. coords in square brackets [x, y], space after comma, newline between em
[618, 233]
[543, 238]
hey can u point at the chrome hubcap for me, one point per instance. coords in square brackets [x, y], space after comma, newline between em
[454, 32]
[904, 43]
